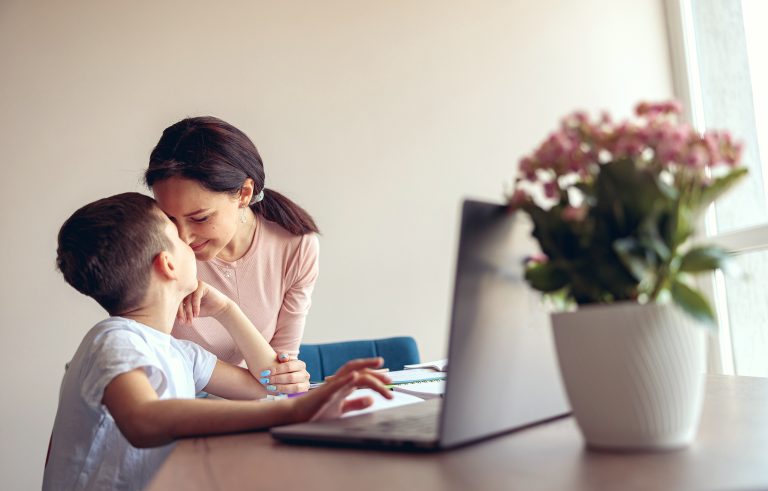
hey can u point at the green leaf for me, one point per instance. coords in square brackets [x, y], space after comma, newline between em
[718, 187]
[693, 302]
[651, 238]
[669, 191]
[684, 226]
[546, 277]
[545, 227]
[628, 249]
[637, 188]
[704, 258]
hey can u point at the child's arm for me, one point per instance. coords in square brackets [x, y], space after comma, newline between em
[147, 421]
[206, 301]
[233, 382]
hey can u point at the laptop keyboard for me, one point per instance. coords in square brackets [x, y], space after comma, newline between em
[420, 424]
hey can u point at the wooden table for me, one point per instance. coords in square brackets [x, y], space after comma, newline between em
[730, 452]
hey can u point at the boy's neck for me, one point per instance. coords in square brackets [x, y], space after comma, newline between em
[149, 320]
[158, 311]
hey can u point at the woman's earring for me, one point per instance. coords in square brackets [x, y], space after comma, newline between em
[243, 217]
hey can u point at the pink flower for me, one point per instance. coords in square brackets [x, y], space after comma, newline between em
[672, 143]
[734, 156]
[577, 160]
[697, 157]
[572, 156]
[519, 198]
[653, 110]
[729, 150]
[551, 190]
[581, 117]
[629, 146]
[538, 258]
[528, 168]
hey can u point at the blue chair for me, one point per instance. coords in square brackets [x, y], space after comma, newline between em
[324, 359]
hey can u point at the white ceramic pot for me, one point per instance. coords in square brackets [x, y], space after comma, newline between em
[634, 374]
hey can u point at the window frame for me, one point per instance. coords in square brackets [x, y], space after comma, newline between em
[687, 88]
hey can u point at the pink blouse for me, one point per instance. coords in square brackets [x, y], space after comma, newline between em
[272, 283]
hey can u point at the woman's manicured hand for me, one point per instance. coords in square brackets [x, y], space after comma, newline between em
[288, 376]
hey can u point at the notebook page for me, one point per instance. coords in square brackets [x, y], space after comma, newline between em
[414, 375]
[380, 402]
[439, 365]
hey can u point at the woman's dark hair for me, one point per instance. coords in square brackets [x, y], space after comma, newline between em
[220, 158]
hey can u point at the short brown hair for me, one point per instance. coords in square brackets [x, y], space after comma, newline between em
[106, 248]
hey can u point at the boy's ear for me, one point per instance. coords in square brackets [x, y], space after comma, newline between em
[164, 266]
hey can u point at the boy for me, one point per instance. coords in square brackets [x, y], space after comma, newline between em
[129, 391]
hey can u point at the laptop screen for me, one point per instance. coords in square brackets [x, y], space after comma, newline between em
[503, 371]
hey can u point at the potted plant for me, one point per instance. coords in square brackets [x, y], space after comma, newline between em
[614, 208]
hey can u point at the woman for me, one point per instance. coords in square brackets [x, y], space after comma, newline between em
[251, 243]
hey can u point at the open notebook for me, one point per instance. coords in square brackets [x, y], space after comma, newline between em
[400, 377]
[425, 390]
[438, 365]
[424, 380]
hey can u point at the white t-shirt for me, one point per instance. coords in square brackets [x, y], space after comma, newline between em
[88, 451]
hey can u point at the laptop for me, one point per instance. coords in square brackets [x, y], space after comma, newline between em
[502, 373]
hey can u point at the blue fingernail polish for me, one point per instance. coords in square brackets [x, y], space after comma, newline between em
[283, 356]
[264, 381]
[265, 373]
[271, 387]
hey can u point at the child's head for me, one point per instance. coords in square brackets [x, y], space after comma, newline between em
[107, 248]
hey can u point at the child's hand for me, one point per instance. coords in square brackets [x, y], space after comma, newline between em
[329, 401]
[205, 301]
[288, 376]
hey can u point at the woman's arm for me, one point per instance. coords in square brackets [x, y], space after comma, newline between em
[234, 382]
[290, 376]
[302, 275]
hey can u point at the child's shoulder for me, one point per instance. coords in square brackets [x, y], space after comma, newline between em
[113, 346]
[115, 335]
[115, 326]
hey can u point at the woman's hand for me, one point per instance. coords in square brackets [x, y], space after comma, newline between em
[330, 400]
[205, 301]
[288, 376]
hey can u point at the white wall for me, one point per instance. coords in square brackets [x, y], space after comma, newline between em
[376, 116]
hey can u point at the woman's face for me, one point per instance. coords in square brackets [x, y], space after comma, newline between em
[206, 220]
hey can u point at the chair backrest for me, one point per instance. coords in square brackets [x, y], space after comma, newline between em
[324, 359]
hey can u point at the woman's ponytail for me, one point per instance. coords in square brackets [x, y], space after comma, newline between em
[277, 208]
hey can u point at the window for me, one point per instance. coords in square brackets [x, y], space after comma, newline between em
[722, 79]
